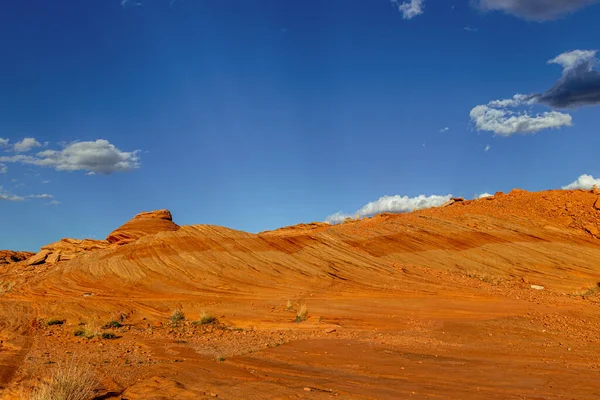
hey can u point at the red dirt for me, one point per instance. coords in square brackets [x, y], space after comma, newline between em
[433, 304]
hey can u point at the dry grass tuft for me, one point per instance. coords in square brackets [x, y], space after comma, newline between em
[68, 382]
[289, 306]
[207, 318]
[302, 313]
[177, 317]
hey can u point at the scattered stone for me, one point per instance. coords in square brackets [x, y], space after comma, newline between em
[537, 287]
[330, 330]
[307, 389]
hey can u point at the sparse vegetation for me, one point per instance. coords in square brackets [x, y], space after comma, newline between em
[79, 332]
[206, 319]
[68, 382]
[302, 313]
[221, 359]
[177, 317]
[108, 335]
[289, 306]
[55, 321]
[113, 324]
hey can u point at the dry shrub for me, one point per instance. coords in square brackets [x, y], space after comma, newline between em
[68, 382]
[302, 313]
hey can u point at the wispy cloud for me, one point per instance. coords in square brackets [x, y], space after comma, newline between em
[131, 3]
[487, 148]
[3, 168]
[534, 10]
[396, 204]
[53, 203]
[583, 182]
[471, 29]
[444, 129]
[40, 196]
[99, 156]
[7, 196]
[3, 142]
[409, 9]
[483, 195]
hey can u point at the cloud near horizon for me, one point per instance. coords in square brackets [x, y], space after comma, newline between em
[395, 204]
[583, 182]
[534, 10]
[99, 157]
[409, 9]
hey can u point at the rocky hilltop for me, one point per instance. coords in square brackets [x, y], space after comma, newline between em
[143, 224]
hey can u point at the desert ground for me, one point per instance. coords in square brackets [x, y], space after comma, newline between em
[493, 298]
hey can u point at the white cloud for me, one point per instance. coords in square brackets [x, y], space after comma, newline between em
[3, 168]
[26, 144]
[99, 156]
[470, 29]
[40, 196]
[3, 142]
[6, 196]
[53, 203]
[44, 182]
[445, 129]
[497, 117]
[482, 195]
[487, 148]
[409, 9]
[583, 182]
[573, 58]
[396, 204]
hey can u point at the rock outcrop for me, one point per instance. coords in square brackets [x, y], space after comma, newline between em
[9, 256]
[143, 224]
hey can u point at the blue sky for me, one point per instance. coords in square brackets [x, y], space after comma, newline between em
[260, 114]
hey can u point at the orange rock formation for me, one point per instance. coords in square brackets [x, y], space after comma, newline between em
[489, 298]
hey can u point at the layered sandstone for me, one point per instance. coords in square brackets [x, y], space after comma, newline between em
[143, 224]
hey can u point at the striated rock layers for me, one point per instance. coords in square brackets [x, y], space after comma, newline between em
[143, 224]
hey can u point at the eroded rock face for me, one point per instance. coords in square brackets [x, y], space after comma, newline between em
[9, 256]
[66, 249]
[143, 224]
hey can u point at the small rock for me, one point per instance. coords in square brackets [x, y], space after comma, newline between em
[307, 389]
[214, 395]
[537, 287]
[330, 330]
